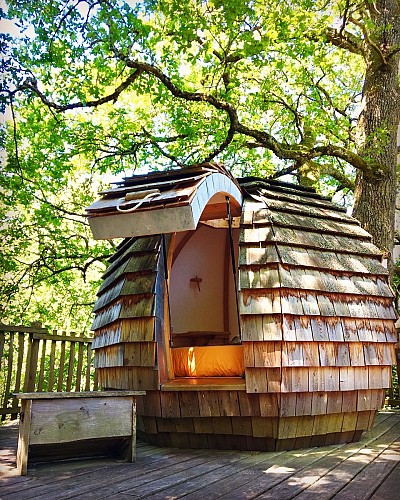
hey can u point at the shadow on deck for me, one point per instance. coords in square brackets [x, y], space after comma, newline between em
[369, 469]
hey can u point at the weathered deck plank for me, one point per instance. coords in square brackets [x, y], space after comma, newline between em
[281, 475]
[369, 469]
[86, 481]
[329, 475]
[202, 485]
[390, 485]
[371, 477]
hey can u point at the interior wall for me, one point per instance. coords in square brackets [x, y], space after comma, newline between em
[204, 256]
[233, 314]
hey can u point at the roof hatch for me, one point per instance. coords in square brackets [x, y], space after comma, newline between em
[164, 202]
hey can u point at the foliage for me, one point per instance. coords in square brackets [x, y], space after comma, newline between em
[50, 264]
[188, 72]
[101, 87]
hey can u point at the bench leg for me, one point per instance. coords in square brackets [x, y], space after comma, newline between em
[23, 436]
[132, 450]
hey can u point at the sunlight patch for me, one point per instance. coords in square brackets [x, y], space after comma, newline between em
[279, 469]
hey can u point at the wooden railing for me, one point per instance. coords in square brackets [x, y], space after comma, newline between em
[34, 360]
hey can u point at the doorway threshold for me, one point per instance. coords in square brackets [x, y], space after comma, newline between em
[205, 384]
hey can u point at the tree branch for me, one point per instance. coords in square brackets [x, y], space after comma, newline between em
[345, 40]
[369, 41]
[154, 142]
[31, 84]
[15, 135]
[286, 171]
[143, 67]
[295, 113]
[392, 53]
[344, 181]
[55, 207]
[325, 169]
[292, 152]
[296, 152]
[229, 137]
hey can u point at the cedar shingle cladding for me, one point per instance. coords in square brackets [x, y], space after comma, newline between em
[316, 309]
[318, 330]
[128, 315]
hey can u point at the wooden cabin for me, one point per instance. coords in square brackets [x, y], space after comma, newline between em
[289, 347]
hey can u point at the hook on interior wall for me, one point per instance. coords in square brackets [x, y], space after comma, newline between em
[197, 280]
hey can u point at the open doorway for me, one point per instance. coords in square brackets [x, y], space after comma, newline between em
[202, 292]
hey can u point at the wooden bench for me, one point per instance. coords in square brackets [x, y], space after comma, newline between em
[61, 425]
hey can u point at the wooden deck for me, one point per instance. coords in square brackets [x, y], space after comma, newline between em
[369, 469]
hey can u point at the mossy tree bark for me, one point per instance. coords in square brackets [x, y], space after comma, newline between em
[375, 192]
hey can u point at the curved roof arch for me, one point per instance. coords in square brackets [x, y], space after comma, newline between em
[164, 203]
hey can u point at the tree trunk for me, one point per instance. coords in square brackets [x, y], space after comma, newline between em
[375, 193]
[375, 208]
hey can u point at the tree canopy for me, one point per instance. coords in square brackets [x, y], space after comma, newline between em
[95, 87]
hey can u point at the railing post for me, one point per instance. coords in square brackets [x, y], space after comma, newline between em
[31, 364]
[50, 383]
[18, 375]
[61, 367]
[10, 363]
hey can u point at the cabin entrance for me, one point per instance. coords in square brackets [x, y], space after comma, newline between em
[203, 303]
[202, 294]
